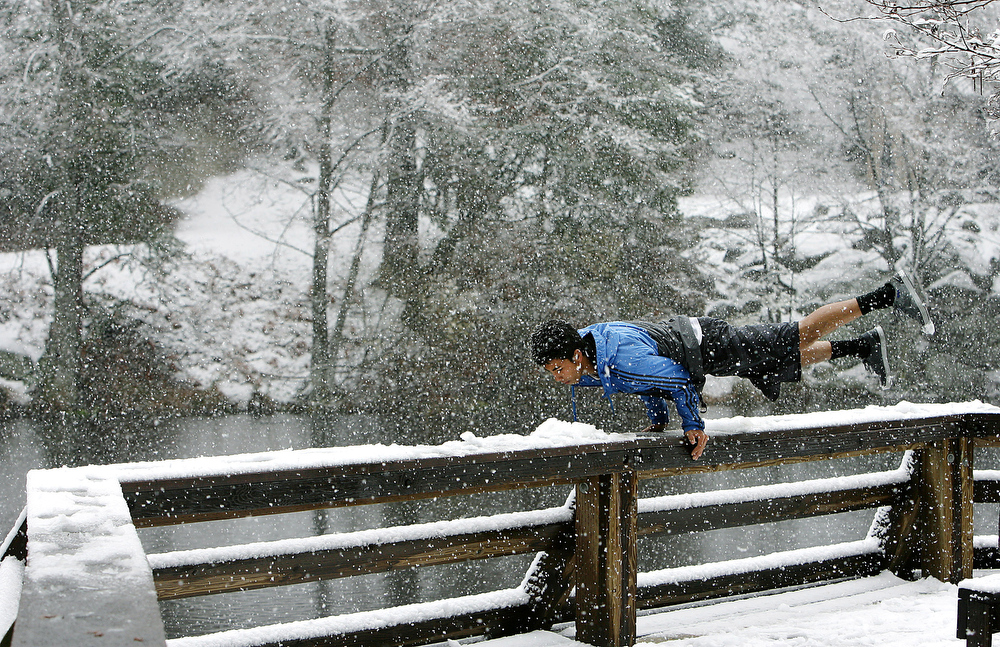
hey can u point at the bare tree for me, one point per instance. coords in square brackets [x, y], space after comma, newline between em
[946, 31]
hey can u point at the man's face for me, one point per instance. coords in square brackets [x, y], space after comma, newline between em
[566, 371]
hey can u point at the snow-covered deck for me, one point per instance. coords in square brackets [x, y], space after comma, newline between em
[882, 610]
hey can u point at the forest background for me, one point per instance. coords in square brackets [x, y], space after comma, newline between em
[447, 175]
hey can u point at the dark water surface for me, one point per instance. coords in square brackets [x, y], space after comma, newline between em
[26, 445]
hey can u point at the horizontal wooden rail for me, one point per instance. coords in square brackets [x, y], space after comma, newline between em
[222, 496]
[166, 502]
[410, 632]
[986, 487]
[786, 447]
[757, 511]
[311, 561]
[741, 583]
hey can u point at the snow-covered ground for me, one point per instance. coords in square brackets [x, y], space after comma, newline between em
[231, 310]
[881, 610]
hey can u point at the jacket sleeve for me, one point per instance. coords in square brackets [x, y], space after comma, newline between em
[661, 374]
[656, 409]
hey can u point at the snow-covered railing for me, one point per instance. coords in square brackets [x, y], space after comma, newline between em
[81, 526]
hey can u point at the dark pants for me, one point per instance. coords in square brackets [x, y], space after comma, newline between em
[765, 354]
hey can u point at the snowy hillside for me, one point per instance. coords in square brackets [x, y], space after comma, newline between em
[792, 102]
[232, 310]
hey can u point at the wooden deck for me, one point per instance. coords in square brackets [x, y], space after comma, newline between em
[88, 582]
[881, 610]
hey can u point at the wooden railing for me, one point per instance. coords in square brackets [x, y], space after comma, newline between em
[586, 570]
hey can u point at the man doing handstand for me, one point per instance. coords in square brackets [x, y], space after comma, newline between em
[672, 358]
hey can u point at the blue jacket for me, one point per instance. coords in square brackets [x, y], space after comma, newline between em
[628, 362]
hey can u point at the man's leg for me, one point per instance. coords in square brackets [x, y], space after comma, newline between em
[869, 347]
[828, 318]
[820, 323]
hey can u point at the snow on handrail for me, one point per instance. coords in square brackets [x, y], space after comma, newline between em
[776, 491]
[378, 536]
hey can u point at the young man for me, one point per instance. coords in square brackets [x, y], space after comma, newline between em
[671, 359]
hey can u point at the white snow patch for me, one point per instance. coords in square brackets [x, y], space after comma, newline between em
[902, 411]
[409, 614]
[533, 639]
[550, 434]
[769, 492]
[753, 564]
[882, 610]
[16, 391]
[957, 279]
[11, 575]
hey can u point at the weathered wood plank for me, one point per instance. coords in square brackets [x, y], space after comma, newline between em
[87, 582]
[300, 567]
[744, 513]
[986, 558]
[978, 613]
[742, 583]
[606, 560]
[16, 543]
[411, 633]
[548, 583]
[156, 503]
[13, 554]
[986, 491]
[984, 427]
[896, 528]
[789, 446]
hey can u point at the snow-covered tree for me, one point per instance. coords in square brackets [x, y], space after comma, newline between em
[960, 34]
[90, 144]
[549, 146]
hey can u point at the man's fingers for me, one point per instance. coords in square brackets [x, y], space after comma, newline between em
[698, 439]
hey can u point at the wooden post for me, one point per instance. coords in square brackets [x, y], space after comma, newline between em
[975, 617]
[896, 528]
[945, 537]
[606, 559]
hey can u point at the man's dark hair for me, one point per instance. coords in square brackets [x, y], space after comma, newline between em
[554, 339]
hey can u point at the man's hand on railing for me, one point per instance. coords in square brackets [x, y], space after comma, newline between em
[696, 439]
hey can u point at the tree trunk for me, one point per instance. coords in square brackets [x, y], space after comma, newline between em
[400, 271]
[321, 372]
[59, 386]
[337, 334]
[399, 265]
[60, 367]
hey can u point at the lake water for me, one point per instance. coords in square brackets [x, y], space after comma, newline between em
[26, 445]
